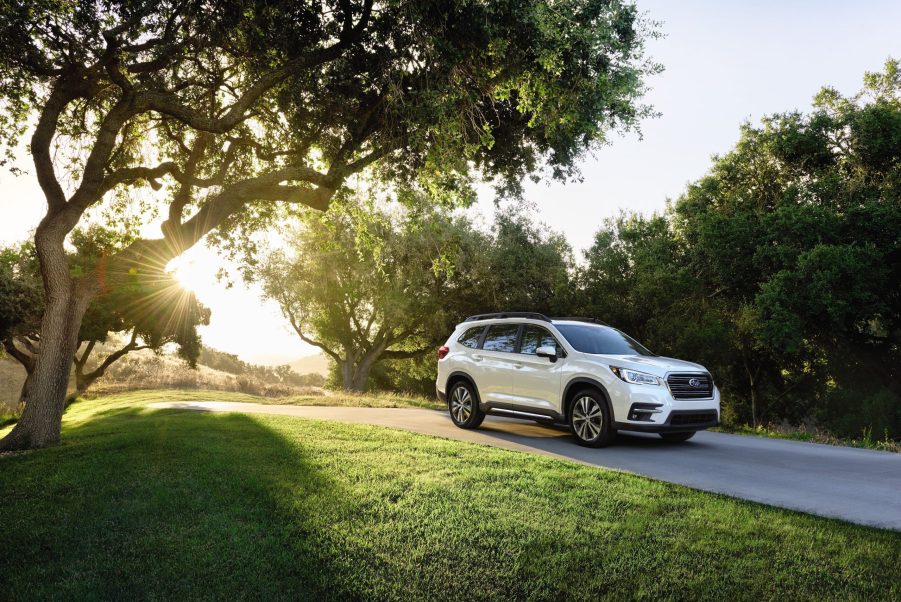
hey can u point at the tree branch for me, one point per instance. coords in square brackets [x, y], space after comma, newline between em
[81, 361]
[92, 179]
[169, 104]
[266, 187]
[129, 175]
[63, 93]
[111, 359]
[23, 358]
[296, 326]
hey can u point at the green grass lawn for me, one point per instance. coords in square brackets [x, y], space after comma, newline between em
[332, 398]
[866, 441]
[170, 504]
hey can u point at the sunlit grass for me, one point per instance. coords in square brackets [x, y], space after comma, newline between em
[380, 399]
[330, 398]
[167, 504]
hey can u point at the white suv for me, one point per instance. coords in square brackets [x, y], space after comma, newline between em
[576, 371]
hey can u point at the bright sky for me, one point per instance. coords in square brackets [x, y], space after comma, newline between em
[726, 62]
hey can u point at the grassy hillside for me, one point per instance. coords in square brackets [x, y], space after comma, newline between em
[337, 398]
[318, 363]
[169, 504]
[146, 370]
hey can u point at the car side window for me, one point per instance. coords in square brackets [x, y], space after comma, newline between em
[534, 337]
[471, 337]
[501, 337]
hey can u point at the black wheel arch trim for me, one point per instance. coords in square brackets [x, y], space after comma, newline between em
[590, 382]
[458, 374]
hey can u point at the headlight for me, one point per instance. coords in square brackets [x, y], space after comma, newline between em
[635, 378]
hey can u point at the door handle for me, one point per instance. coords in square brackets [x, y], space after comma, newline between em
[517, 364]
[477, 358]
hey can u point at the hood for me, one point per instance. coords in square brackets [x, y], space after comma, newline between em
[656, 365]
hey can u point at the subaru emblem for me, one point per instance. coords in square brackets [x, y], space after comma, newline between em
[694, 382]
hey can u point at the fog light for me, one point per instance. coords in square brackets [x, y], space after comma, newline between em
[643, 411]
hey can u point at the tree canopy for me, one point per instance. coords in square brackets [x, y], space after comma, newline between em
[152, 309]
[780, 269]
[366, 285]
[228, 110]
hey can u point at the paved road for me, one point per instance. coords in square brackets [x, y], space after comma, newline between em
[857, 485]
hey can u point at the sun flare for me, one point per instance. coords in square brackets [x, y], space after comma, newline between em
[191, 273]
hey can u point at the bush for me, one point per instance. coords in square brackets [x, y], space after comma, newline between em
[852, 414]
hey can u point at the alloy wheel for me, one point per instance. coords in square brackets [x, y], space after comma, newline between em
[461, 404]
[588, 419]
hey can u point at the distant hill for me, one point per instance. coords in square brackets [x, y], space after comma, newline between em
[217, 371]
[316, 363]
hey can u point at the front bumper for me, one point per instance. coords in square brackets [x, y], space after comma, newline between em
[649, 409]
[678, 421]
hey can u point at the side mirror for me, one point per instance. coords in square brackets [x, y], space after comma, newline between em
[548, 352]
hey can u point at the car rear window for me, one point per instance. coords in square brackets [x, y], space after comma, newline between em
[601, 340]
[501, 337]
[471, 337]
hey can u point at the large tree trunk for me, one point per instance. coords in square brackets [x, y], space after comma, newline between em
[355, 369]
[361, 376]
[41, 419]
[348, 370]
[67, 301]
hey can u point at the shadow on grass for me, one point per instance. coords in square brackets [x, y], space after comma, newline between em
[193, 505]
[166, 505]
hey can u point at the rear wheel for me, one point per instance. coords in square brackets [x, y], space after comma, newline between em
[677, 437]
[463, 405]
[589, 419]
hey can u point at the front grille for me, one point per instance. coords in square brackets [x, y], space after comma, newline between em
[692, 418]
[680, 385]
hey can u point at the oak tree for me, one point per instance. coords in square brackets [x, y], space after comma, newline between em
[229, 109]
[365, 285]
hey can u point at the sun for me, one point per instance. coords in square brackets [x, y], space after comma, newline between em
[191, 272]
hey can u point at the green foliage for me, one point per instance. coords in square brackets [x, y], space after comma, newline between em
[149, 303]
[529, 267]
[779, 270]
[363, 279]
[433, 92]
[366, 285]
[21, 292]
[416, 375]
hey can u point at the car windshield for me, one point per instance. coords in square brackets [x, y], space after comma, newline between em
[601, 340]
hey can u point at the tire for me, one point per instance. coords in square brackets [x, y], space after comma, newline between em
[590, 420]
[677, 437]
[463, 405]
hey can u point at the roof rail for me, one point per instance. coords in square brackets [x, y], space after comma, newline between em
[581, 319]
[532, 315]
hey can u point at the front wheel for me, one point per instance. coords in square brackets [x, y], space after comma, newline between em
[589, 420]
[463, 405]
[677, 437]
